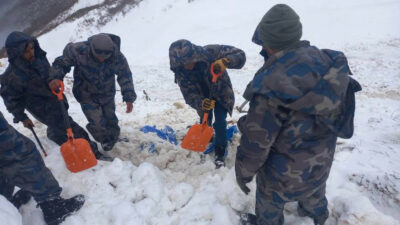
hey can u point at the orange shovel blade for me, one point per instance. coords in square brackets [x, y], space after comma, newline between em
[78, 155]
[198, 137]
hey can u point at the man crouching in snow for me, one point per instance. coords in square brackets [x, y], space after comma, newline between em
[24, 87]
[301, 100]
[21, 165]
[191, 65]
[96, 62]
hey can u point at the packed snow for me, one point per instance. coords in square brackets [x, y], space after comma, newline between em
[172, 186]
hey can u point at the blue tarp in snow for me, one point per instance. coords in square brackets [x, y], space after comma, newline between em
[168, 134]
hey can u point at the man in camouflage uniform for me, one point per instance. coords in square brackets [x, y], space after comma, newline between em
[21, 165]
[301, 100]
[24, 86]
[191, 65]
[96, 62]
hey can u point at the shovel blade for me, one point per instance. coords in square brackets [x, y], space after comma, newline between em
[78, 155]
[197, 138]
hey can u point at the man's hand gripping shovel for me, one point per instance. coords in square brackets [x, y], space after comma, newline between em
[199, 135]
[77, 153]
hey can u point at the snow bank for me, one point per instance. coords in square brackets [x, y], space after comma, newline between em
[175, 187]
[8, 213]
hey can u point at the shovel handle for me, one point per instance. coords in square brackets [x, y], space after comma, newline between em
[60, 92]
[70, 134]
[214, 75]
[38, 141]
[60, 97]
[205, 118]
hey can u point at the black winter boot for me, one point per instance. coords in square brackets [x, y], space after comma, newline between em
[56, 210]
[98, 154]
[107, 146]
[219, 156]
[20, 198]
[248, 219]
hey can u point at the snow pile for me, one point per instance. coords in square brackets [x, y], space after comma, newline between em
[171, 186]
[8, 213]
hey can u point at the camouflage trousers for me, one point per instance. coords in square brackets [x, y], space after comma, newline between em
[103, 123]
[270, 205]
[21, 165]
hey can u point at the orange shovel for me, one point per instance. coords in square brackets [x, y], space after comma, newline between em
[199, 135]
[77, 153]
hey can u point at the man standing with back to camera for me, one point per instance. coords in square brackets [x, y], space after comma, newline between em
[301, 100]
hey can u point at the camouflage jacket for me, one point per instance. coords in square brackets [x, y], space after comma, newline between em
[95, 81]
[25, 83]
[297, 100]
[195, 85]
[12, 146]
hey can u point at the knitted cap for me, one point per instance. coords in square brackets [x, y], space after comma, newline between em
[280, 27]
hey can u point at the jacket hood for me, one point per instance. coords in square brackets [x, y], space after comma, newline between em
[315, 83]
[183, 51]
[16, 43]
[256, 37]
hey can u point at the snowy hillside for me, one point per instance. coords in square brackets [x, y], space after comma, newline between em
[172, 186]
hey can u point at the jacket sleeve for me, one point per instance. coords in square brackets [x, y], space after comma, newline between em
[124, 78]
[14, 101]
[62, 64]
[259, 129]
[236, 57]
[190, 91]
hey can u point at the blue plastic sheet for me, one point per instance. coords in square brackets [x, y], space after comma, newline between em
[167, 133]
[151, 147]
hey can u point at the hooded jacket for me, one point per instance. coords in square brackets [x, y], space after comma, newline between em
[299, 105]
[24, 83]
[195, 85]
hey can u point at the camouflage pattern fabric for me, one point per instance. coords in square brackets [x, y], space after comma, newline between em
[270, 205]
[288, 140]
[21, 165]
[94, 80]
[24, 87]
[103, 123]
[94, 84]
[195, 85]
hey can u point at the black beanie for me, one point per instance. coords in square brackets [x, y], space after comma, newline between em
[280, 27]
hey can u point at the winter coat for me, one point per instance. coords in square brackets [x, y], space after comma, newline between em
[95, 81]
[195, 85]
[21, 165]
[24, 83]
[298, 107]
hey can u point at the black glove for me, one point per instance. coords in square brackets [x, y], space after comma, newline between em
[242, 184]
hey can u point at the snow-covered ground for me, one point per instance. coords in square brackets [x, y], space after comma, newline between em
[173, 186]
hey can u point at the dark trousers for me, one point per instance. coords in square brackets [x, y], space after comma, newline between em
[219, 124]
[103, 123]
[49, 113]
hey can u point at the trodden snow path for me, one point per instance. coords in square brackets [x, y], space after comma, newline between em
[172, 186]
